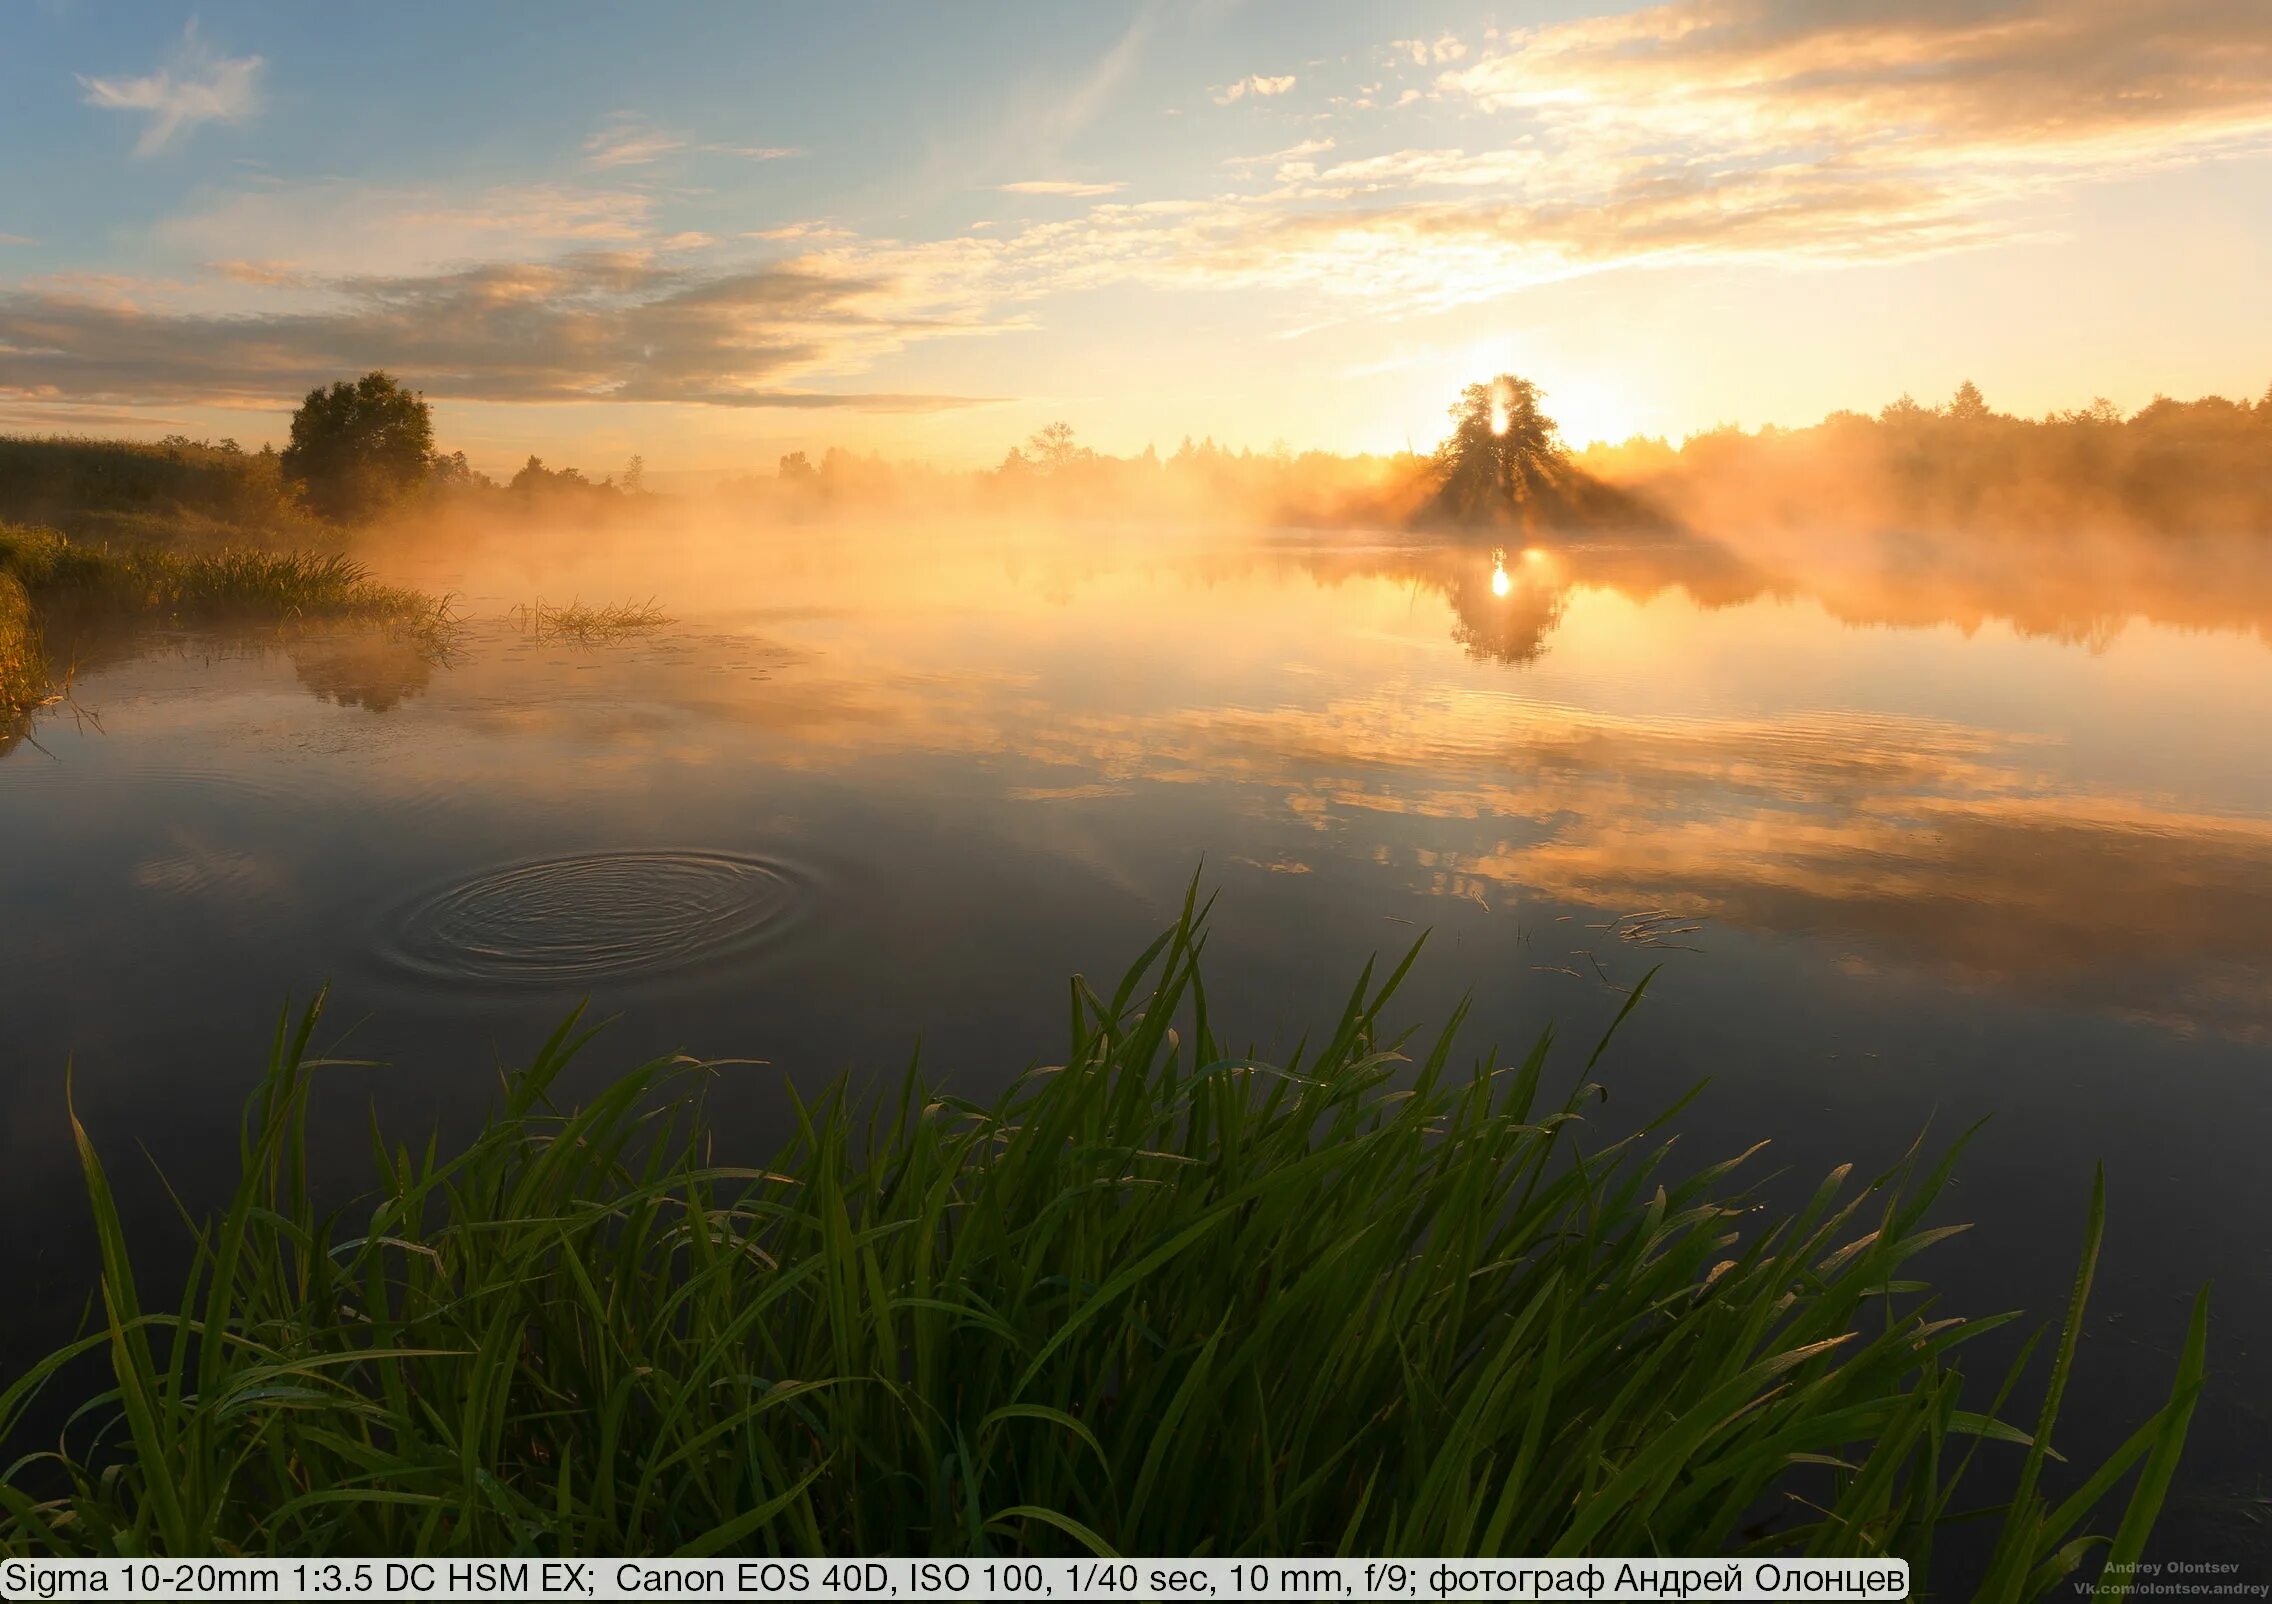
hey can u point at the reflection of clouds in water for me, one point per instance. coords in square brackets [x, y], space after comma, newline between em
[1311, 695]
[1932, 842]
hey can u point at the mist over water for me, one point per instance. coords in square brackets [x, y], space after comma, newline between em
[1910, 833]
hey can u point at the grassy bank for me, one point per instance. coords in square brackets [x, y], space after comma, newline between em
[1158, 1300]
[46, 578]
[178, 492]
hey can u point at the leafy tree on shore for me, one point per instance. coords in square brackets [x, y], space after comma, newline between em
[359, 445]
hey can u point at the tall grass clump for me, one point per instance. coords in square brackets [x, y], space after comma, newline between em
[23, 663]
[1159, 1299]
[177, 586]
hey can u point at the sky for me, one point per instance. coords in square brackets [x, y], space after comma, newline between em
[712, 234]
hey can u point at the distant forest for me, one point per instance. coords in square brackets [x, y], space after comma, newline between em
[2173, 467]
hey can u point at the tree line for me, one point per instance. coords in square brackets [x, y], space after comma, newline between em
[360, 447]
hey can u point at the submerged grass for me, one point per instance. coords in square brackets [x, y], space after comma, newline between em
[587, 625]
[1157, 1300]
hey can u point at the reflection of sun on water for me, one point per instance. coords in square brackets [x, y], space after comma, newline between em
[1500, 583]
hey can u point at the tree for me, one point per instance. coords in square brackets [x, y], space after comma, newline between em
[536, 479]
[453, 472]
[1969, 405]
[358, 445]
[1051, 448]
[1504, 453]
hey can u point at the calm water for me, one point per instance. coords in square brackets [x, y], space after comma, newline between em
[1938, 841]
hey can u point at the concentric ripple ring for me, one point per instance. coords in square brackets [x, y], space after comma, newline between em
[597, 915]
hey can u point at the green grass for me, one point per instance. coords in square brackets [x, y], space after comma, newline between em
[176, 492]
[170, 585]
[1158, 1299]
[24, 683]
[58, 577]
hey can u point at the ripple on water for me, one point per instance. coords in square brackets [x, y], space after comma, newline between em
[597, 915]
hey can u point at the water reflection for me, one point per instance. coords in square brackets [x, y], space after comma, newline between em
[372, 669]
[2083, 592]
[1690, 728]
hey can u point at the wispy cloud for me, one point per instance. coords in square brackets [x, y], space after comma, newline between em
[265, 275]
[629, 145]
[628, 140]
[197, 85]
[597, 326]
[1424, 52]
[810, 230]
[1059, 186]
[1253, 84]
[1748, 130]
[1887, 83]
[1300, 151]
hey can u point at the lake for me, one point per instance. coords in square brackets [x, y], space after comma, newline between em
[1908, 836]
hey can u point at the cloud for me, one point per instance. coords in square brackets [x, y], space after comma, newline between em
[1736, 130]
[812, 230]
[597, 326]
[628, 140]
[17, 239]
[1254, 84]
[196, 86]
[1423, 52]
[629, 144]
[266, 275]
[1059, 186]
[541, 211]
[1292, 153]
[1888, 84]
[339, 227]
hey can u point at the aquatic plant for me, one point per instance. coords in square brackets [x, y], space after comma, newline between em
[589, 625]
[1158, 1299]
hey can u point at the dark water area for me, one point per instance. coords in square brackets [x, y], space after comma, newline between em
[1900, 857]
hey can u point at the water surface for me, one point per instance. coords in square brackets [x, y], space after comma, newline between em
[1911, 837]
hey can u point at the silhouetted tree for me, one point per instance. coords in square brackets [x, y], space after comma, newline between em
[358, 445]
[536, 479]
[1504, 454]
[1969, 405]
[453, 472]
[1051, 448]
